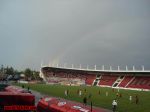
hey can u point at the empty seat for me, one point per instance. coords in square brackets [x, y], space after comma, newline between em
[108, 80]
[125, 81]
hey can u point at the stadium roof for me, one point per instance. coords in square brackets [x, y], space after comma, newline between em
[103, 70]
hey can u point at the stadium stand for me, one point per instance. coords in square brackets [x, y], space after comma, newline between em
[125, 81]
[108, 80]
[142, 82]
[139, 80]
[90, 79]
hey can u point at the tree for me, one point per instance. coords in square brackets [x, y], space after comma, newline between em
[2, 69]
[9, 70]
[28, 73]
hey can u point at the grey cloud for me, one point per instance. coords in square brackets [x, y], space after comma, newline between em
[64, 31]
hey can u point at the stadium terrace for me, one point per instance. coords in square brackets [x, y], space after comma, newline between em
[122, 79]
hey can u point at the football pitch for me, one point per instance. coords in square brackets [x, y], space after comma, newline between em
[98, 96]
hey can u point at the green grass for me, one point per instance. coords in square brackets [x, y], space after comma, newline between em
[124, 105]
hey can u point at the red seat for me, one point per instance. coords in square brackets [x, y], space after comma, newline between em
[125, 81]
[90, 79]
[141, 82]
[108, 80]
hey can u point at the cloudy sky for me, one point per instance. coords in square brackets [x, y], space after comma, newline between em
[101, 32]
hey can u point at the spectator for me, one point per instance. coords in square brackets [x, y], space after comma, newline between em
[99, 92]
[130, 98]
[66, 92]
[114, 105]
[120, 95]
[113, 89]
[136, 99]
[28, 88]
[90, 95]
[80, 93]
[117, 94]
[118, 89]
[106, 93]
[85, 100]
[85, 90]
[22, 86]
